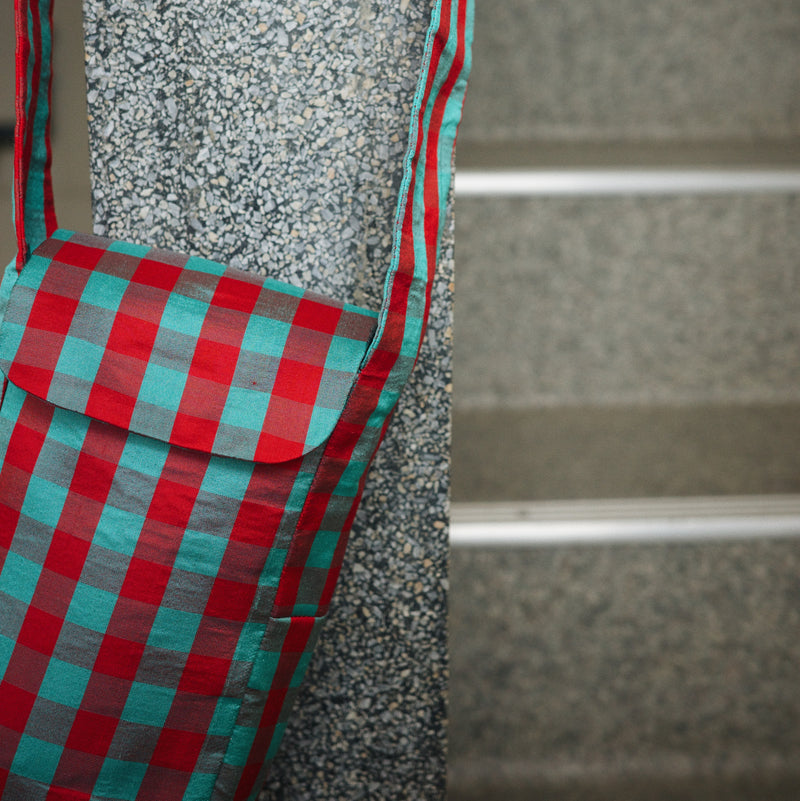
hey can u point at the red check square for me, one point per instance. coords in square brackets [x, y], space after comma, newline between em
[34, 379]
[272, 448]
[93, 477]
[91, 733]
[178, 750]
[16, 707]
[236, 294]
[119, 658]
[298, 382]
[66, 555]
[8, 517]
[194, 432]
[317, 316]
[132, 336]
[145, 581]
[204, 675]
[78, 255]
[156, 274]
[256, 523]
[230, 600]
[23, 448]
[214, 361]
[39, 631]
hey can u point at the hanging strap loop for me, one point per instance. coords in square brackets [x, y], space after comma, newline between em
[34, 211]
[424, 192]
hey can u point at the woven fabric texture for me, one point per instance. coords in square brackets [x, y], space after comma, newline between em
[137, 585]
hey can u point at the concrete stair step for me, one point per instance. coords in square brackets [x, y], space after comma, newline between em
[628, 300]
[623, 69]
[646, 671]
[625, 452]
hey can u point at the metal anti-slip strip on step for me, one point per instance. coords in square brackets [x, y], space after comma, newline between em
[627, 181]
[643, 520]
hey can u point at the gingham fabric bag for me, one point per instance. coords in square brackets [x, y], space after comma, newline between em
[183, 448]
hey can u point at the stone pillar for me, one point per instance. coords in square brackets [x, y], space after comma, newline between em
[270, 136]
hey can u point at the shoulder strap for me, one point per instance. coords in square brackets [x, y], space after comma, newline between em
[34, 212]
[425, 187]
[424, 193]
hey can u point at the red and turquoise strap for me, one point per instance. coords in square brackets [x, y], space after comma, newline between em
[420, 217]
[34, 212]
[424, 193]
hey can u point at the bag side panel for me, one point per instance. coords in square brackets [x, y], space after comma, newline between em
[278, 672]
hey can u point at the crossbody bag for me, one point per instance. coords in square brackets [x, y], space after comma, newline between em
[183, 449]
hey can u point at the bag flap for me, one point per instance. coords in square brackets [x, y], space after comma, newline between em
[180, 348]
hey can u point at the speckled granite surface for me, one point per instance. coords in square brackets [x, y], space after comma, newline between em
[270, 136]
